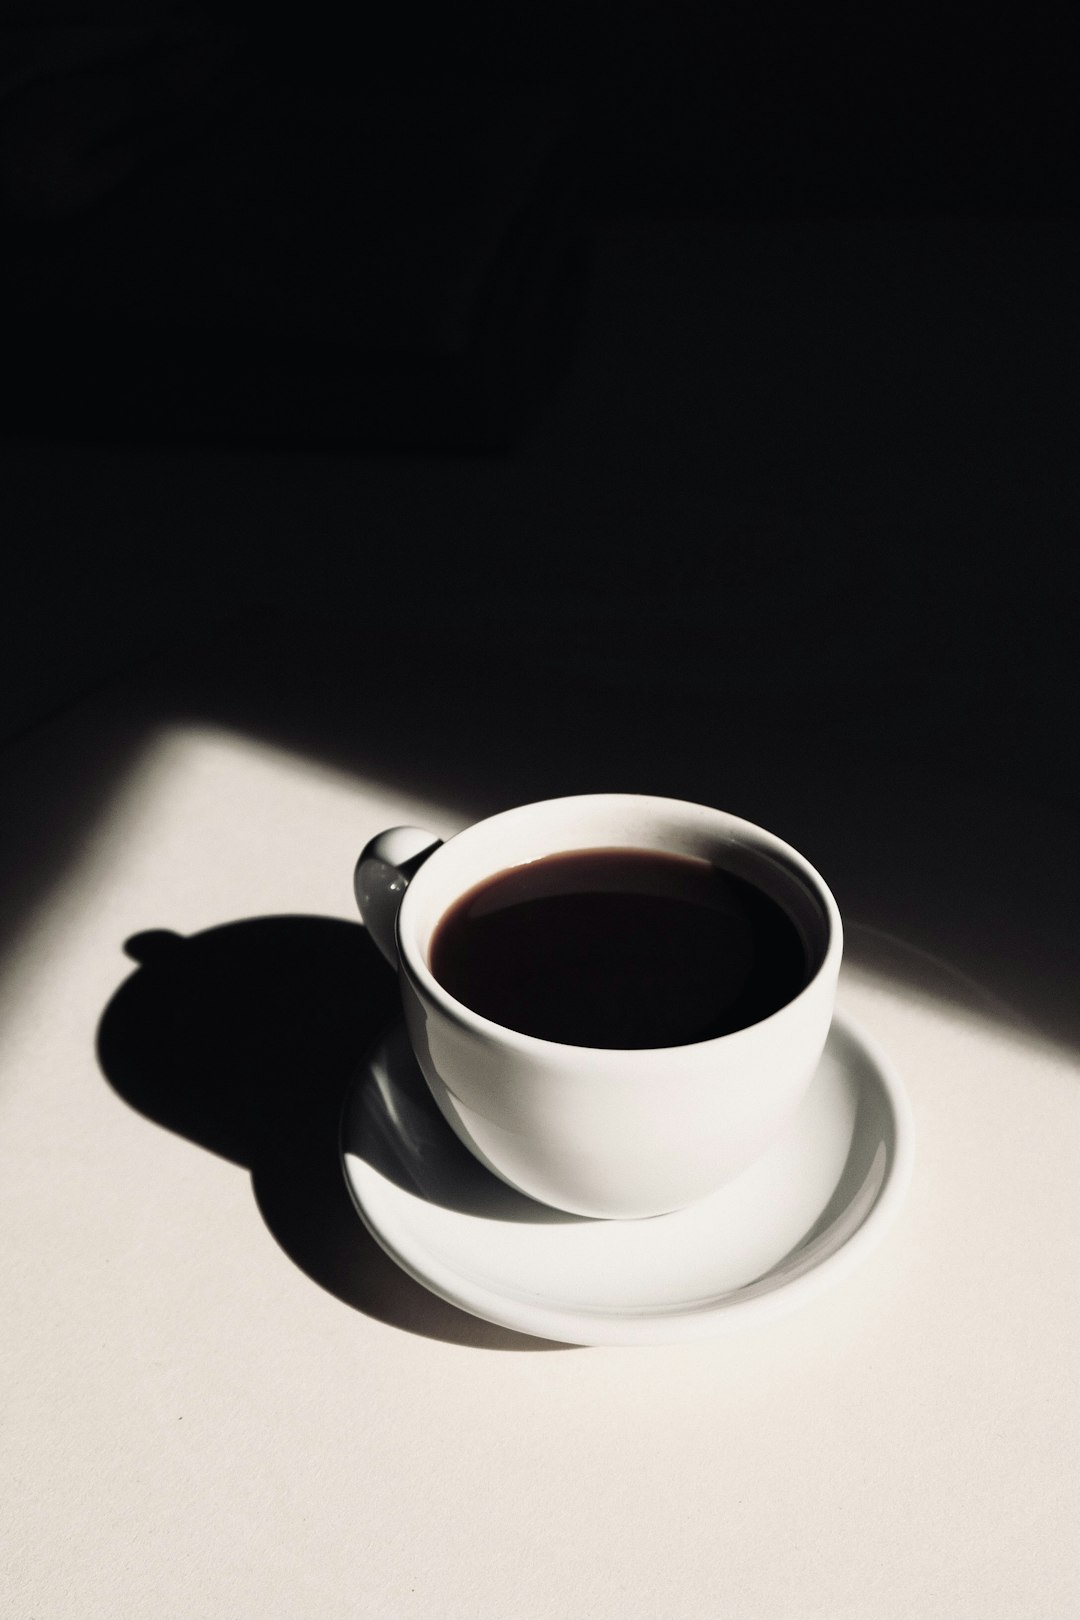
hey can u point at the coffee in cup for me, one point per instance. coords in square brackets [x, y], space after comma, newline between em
[620, 948]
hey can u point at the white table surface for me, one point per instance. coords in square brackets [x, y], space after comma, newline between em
[193, 1426]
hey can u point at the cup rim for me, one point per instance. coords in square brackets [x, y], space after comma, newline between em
[425, 982]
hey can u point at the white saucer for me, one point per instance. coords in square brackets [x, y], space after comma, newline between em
[799, 1219]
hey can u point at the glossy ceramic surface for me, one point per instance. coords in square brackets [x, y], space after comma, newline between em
[795, 1222]
[582, 1128]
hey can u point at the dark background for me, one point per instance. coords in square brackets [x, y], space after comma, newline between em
[668, 397]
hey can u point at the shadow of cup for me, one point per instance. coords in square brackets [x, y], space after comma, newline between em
[245, 1039]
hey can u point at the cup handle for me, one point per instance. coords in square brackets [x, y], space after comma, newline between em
[382, 875]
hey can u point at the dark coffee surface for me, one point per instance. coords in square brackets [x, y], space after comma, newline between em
[619, 948]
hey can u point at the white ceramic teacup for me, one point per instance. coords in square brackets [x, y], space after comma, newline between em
[610, 1133]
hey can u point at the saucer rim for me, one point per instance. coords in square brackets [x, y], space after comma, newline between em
[682, 1321]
